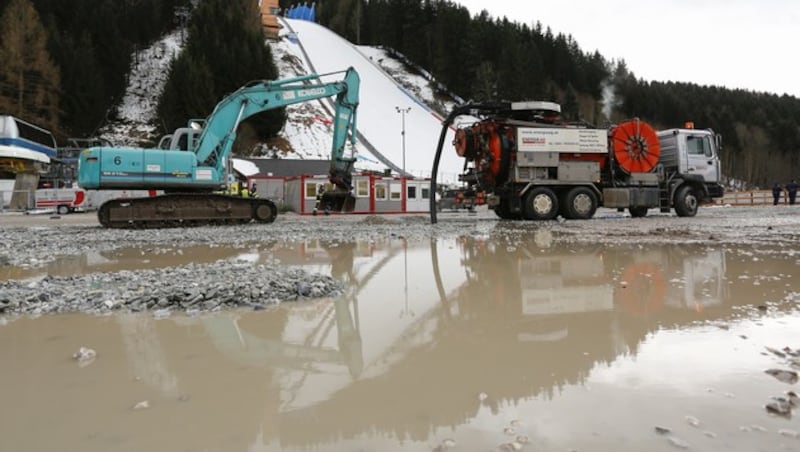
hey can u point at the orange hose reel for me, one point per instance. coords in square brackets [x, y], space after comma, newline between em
[635, 146]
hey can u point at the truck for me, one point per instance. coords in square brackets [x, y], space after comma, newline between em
[191, 165]
[535, 166]
[74, 199]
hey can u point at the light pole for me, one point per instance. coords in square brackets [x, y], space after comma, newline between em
[403, 112]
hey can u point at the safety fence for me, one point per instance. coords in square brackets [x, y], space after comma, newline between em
[751, 198]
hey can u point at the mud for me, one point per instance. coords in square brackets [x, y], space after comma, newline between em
[611, 334]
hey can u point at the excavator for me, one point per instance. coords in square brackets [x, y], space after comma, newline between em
[191, 165]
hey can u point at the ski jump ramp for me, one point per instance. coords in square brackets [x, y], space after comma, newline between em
[378, 121]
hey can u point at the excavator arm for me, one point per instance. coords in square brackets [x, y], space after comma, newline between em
[219, 132]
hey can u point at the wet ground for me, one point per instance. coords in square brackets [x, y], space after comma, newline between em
[485, 336]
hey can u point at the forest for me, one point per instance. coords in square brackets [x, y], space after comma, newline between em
[66, 62]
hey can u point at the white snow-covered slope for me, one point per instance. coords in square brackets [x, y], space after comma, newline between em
[380, 96]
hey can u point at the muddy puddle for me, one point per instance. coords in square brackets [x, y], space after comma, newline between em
[466, 344]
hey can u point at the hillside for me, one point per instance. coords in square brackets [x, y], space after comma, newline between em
[307, 134]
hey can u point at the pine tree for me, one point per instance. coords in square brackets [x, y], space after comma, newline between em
[225, 49]
[29, 81]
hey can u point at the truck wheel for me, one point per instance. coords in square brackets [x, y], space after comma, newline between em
[540, 203]
[686, 202]
[580, 203]
[638, 211]
[62, 210]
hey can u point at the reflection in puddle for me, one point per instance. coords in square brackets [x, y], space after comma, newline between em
[473, 342]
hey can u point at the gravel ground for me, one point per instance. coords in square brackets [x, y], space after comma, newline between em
[35, 240]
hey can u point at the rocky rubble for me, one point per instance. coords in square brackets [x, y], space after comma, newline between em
[221, 285]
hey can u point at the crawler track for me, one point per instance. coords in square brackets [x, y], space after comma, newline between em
[185, 210]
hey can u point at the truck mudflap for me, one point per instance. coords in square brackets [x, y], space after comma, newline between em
[185, 210]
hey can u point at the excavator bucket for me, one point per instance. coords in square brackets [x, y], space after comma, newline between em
[338, 201]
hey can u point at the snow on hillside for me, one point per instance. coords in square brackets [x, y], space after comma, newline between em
[420, 85]
[311, 48]
[134, 124]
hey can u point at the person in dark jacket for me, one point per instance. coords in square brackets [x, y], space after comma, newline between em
[776, 193]
[791, 188]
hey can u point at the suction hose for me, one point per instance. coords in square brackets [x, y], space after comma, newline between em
[476, 110]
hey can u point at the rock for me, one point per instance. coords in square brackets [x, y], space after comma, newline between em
[785, 376]
[161, 313]
[793, 398]
[775, 352]
[662, 430]
[143, 405]
[509, 447]
[780, 407]
[84, 355]
[693, 421]
[679, 443]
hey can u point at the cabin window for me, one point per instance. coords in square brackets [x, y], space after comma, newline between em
[411, 192]
[426, 193]
[312, 188]
[395, 191]
[380, 192]
[362, 189]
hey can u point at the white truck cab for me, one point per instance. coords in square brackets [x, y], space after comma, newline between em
[693, 152]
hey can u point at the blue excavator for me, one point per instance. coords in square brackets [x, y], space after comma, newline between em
[191, 165]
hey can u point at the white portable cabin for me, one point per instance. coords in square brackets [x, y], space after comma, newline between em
[374, 194]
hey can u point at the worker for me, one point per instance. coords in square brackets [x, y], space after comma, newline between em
[318, 204]
[244, 192]
[253, 193]
[791, 188]
[776, 193]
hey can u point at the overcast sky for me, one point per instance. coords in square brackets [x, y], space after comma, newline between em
[748, 44]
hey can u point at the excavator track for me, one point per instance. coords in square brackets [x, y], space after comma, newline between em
[185, 210]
